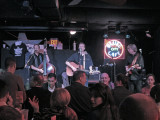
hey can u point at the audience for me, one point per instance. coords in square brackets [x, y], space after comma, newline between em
[7, 111]
[37, 90]
[155, 94]
[120, 91]
[52, 83]
[138, 107]
[80, 95]
[103, 104]
[150, 83]
[59, 101]
[14, 82]
[104, 78]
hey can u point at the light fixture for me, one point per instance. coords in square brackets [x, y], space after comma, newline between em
[72, 32]
[117, 30]
[105, 35]
[148, 34]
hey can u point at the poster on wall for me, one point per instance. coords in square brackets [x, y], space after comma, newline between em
[114, 48]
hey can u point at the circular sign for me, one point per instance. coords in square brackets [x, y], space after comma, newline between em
[114, 49]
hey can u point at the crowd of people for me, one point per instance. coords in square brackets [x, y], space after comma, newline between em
[48, 99]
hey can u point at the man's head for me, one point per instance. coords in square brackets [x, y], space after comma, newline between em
[132, 49]
[37, 81]
[138, 107]
[9, 113]
[10, 64]
[36, 48]
[105, 78]
[3, 90]
[52, 80]
[120, 80]
[79, 76]
[82, 46]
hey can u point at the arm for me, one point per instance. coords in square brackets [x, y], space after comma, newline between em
[68, 64]
[36, 69]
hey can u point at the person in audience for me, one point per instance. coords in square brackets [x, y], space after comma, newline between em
[59, 109]
[138, 107]
[120, 92]
[38, 91]
[52, 83]
[150, 83]
[80, 95]
[14, 82]
[104, 78]
[7, 111]
[155, 94]
[103, 104]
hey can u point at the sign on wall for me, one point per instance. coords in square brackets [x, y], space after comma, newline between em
[114, 48]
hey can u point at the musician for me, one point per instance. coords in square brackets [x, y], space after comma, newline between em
[134, 65]
[36, 59]
[82, 58]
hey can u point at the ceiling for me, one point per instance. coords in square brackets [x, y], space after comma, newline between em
[62, 15]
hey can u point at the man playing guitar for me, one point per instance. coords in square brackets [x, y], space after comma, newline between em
[80, 60]
[134, 65]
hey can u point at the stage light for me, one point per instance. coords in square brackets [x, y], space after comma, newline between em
[117, 31]
[128, 36]
[105, 35]
[148, 34]
[72, 32]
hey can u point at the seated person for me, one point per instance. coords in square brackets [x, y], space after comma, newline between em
[120, 92]
[52, 83]
[59, 109]
[104, 78]
[150, 83]
[37, 90]
[138, 107]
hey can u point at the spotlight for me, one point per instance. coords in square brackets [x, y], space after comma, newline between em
[105, 35]
[117, 29]
[148, 34]
[72, 32]
[128, 36]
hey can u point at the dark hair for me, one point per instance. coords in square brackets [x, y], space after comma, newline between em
[9, 61]
[50, 75]
[121, 77]
[36, 80]
[77, 75]
[9, 113]
[3, 89]
[103, 91]
[155, 93]
[150, 74]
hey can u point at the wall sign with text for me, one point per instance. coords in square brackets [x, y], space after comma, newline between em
[114, 48]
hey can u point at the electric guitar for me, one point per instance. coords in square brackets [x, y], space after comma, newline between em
[130, 68]
[69, 70]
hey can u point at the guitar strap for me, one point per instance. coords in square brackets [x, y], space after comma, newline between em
[135, 59]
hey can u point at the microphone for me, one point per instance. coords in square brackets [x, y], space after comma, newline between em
[80, 51]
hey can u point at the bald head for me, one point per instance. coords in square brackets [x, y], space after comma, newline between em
[105, 78]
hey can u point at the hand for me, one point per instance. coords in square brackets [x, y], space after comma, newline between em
[34, 103]
[45, 50]
[41, 70]
[10, 101]
[74, 69]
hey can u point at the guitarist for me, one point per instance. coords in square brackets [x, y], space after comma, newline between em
[134, 65]
[81, 58]
[36, 59]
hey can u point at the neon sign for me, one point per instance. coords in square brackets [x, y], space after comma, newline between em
[113, 49]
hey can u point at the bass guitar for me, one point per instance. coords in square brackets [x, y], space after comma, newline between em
[130, 68]
[69, 70]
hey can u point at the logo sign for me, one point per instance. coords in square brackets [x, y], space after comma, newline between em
[114, 48]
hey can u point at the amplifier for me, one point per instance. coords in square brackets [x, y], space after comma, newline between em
[94, 78]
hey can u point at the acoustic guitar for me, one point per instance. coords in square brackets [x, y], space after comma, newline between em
[69, 70]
